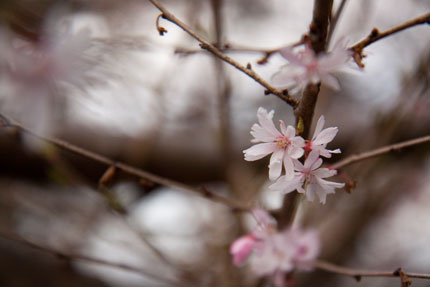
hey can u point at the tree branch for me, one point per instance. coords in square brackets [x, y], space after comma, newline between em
[236, 206]
[234, 48]
[357, 273]
[211, 48]
[335, 20]
[305, 109]
[376, 35]
[382, 150]
[89, 259]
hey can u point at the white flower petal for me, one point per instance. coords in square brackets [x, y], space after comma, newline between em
[324, 172]
[291, 56]
[275, 165]
[325, 136]
[289, 167]
[266, 121]
[287, 185]
[319, 126]
[312, 161]
[259, 151]
[260, 134]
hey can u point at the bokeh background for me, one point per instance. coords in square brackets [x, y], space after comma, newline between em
[98, 75]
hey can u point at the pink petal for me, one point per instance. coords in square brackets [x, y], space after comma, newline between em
[312, 161]
[324, 172]
[242, 248]
[291, 57]
[275, 165]
[263, 217]
[259, 151]
[319, 126]
[289, 167]
[266, 122]
[326, 136]
[261, 135]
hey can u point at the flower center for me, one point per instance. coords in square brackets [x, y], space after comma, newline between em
[283, 142]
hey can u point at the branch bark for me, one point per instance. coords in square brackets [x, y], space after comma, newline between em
[382, 150]
[305, 110]
[214, 50]
[358, 273]
[236, 206]
[376, 35]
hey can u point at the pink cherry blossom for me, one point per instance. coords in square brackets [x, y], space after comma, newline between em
[273, 253]
[284, 146]
[308, 179]
[242, 247]
[305, 67]
[321, 138]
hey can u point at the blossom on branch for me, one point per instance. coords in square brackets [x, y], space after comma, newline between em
[304, 67]
[309, 179]
[321, 138]
[272, 253]
[284, 146]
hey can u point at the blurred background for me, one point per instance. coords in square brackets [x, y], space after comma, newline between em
[98, 75]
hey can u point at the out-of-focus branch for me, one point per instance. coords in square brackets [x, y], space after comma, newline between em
[89, 259]
[335, 20]
[357, 273]
[236, 206]
[234, 48]
[211, 48]
[379, 151]
[376, 35]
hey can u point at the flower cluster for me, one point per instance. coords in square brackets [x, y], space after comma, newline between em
[305, 67]
[286, 148]
[273, 253]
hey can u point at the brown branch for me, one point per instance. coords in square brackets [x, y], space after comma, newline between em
[335, 20]
[305, 109]
[357, 273]
[79, 257]
[382, 150]
[211, 48]
[234, 48]
[376, 35]
[236, 206]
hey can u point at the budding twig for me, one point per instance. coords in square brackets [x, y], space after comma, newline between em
[216, 52]
[376, 35]
[236, 206]
[357, 273]
[89, 259]
[382, 150]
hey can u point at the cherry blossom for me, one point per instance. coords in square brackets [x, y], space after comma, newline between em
[273, 253]
[321, 138]
[304, 67]
[308, 179]
[284, 146]
[242, 247]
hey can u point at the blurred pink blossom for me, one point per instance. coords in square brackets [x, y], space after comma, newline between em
[273, 253]
[34, 74]
[304, 67]
[308, 179]
[284, 146]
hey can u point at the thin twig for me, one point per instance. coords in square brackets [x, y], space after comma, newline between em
[235, 48]
[376, 35]
[386, 149]
[357, 273]
[88, 259]
[236, 206]
[335, 20]
[211, 48]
